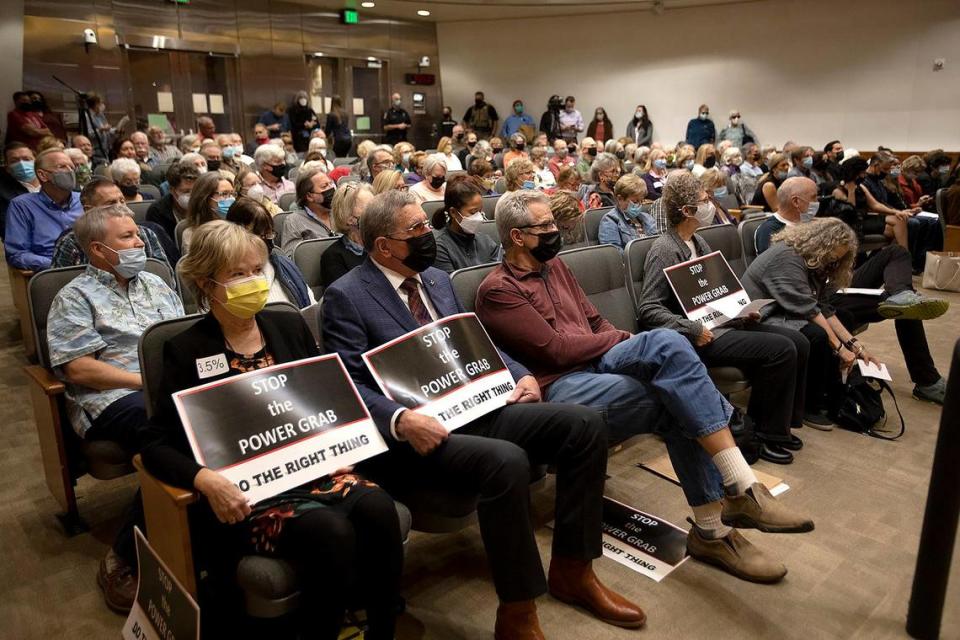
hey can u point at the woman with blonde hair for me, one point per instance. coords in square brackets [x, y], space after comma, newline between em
[387, 180]
[520, 175]
[445, 147]
[654, 172]
[402, 153]
[347, 252]
[249, 184]
[804, 265]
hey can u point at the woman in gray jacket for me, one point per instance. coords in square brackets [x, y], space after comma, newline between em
[773, 358]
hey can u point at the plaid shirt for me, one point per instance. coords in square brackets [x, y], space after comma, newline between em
[67, 252]
[94, 316]
[659, 215]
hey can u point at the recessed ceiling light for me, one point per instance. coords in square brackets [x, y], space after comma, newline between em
[371, 59]
[318, 54]
[368, 5]
[423, 12]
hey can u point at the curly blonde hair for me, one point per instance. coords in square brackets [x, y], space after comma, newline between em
[816, 241]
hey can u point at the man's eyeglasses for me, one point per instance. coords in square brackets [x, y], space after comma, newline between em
[415, 229]
[541, 225]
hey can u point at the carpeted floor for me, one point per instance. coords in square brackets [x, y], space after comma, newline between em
[848, 579]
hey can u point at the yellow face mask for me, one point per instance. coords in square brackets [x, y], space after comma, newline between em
[246, 296]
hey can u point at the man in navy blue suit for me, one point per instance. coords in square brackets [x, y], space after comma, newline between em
[395, 291]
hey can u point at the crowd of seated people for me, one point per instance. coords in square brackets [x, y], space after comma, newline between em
[580, 380]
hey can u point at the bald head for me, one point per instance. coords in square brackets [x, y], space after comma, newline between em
[795, 196]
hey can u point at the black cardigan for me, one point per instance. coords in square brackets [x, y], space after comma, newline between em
[165, 451]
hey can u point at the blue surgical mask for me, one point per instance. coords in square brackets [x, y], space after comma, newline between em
[895, 172]
[808, 162]
[528, 184]
[719, 192]
[23, 171]
[224, 205]
[660, 163]
[633, 211]
[132, 261]
[228, 152]
[811, 212]
[688, 165]
[780, 175]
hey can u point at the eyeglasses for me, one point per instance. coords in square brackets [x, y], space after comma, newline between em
[384, 164]
[415, 228]
[541, 225]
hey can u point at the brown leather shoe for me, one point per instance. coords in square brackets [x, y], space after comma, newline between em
[574, 582]
[734, 554]
[758, 509]
[118, 583]
[518, 621]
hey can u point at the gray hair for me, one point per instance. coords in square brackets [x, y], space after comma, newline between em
[92, 225]
[729, 153]
[380, 217]
[345, 203]
[482, 150]
[190, 159]
[513, 211]
[604, 162]
[370, 156]
[305, 184]
[432, 162]
[122, 166]
[266, 152]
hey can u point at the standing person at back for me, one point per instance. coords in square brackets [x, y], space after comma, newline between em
[600, 129]
[396, 121]
[337, 128]
[701, 130]
[571, 122]
[481, 117]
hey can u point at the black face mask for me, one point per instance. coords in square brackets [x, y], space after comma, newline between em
[279, 171]
[478, 102]
[446, 116]
[459, 136]
[129, 190]
[497, 149]
[710, 162]
[548, 246]
[471, 145]
[590, 151]
[213, 165]
[437, 181]
[327, 197]
[621, 154]
[423, 252]
[521, 146]
[24, 106]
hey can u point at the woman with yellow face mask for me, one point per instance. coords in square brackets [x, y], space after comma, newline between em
[337, 530]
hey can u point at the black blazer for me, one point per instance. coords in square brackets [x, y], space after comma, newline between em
[165, 451]
[337, 261]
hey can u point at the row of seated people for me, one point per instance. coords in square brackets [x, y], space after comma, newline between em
[661, 381]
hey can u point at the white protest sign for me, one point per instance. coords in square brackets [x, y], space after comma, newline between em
[647, 544]
[277, 428]
[448, 369]
[163, 609]
[710, 292]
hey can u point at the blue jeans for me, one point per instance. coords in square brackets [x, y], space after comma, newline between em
[656, 382]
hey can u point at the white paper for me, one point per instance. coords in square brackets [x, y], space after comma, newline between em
[165, 102]
[861, 292]
[927, 214]
[870, 370]
[316, 103]
[783, 487]
[216, 103]
[199, 103]
[327, 104]
[754, 307]
[358, 106]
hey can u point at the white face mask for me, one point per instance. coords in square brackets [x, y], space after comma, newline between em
[471, 224]
[183, 199]
[255, 193]
[302, 102]
[811, 211]
[705, 213]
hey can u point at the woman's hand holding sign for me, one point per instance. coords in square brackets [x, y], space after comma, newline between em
[527, 390]
[422, 432]
[227, 501]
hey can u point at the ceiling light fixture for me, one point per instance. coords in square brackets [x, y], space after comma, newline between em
[318, 54]
[371, 59]
[368, 5]
[423, 12]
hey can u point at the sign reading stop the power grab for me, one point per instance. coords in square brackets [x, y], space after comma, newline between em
[277, 428]
[710, 292]
[448, 369]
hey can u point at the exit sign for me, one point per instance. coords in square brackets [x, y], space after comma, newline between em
[349, 16]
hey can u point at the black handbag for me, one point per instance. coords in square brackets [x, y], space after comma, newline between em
[858, 406]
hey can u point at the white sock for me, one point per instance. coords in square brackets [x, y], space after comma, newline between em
[707, 517]
[736, 473]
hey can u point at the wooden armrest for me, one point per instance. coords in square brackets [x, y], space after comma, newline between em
[179, 497]
[751, 207]
[168, 524]
[26, 274]
[44, 379]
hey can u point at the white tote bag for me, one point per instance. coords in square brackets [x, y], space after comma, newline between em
[942, 271]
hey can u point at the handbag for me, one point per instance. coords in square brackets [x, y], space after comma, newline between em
[942, 271]
[858, 406]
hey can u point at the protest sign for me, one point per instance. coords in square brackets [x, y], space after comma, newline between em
[163, 609]
[277, 428]
[709, 291]
[448, 369]
[645, 543]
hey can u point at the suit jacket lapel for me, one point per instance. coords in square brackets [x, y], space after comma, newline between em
[380, 290]
[442, 303]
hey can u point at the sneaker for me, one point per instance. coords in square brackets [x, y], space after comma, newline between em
[734, 554]
[935, 392]
[910, 305]
[757, 509]
[818, 420]
[118, 583]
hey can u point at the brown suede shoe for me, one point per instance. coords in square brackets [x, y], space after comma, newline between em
[518, 621]
[574, 582]
[757, 509]
[734, 554]
[118, 583]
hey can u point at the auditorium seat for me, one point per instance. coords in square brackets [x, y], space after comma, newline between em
[149, 190]
[489, 228]
[748, 231]
[345, 179]
[307, 255]
[599, 271]
[140, 210]
[500, 186]
[430, 207]
[286, 200]
[455, 173]
[591, 221]
[339, 162]
[490, 206]
[190, 304]
[178, 232]
[728, 379]
[269, 585]
[65, 456]
[19, 283]
[725, 239]
[278, 221]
